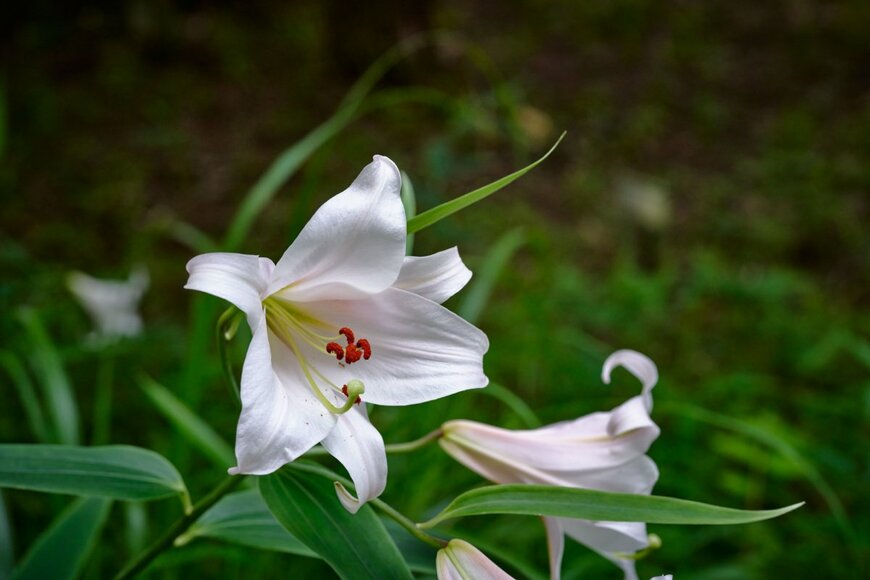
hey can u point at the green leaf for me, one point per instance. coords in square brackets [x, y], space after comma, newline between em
[6, 547]
[57, 391]
[243, 518]
[61, 551]
[188, 423]
[515, 403]
[355, 545]
[27, 394]
[409, 201]
[436, 214]
[285, 166]
[486, 276]
[587, 504]
[114, 471]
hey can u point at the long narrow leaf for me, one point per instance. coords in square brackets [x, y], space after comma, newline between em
[114, 471]
[285, 166]
[486, 276]
[409, 200]
[587, 504]
[355, 545]
[6, 541]
[56, 387]
[61, 551]
[436, 214]
[188, 423]
[27, 394]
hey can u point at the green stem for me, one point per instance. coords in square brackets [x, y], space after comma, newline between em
[164, 542]
[393, 447]
[409, 525]
[103, 400]
[226, 327]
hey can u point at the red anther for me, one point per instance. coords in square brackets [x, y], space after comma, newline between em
[335, 348]
[348, 334]
[344, 390]
[364, 345]
[352, 354]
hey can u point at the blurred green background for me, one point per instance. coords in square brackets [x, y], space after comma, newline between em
[708, 207]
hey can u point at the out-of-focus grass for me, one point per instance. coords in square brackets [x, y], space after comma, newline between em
[708, 208]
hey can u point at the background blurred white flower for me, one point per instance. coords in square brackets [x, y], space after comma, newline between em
[113, 305]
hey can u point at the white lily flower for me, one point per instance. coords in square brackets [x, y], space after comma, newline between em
[460, 561]
[663, 577]
[112, 304]
[342, 317]
[603, 451]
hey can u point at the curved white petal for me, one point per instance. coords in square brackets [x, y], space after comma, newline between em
[555, 546]
[663, 577]
[240, 279]
[640, 365]
[420, 350]
[280, 418]
[353, 245]
[460, 560]
[576, 453]
[436, 277]
[610, 539]
[360, 448]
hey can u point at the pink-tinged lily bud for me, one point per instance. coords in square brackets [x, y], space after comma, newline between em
[602, 451]
[460, 560]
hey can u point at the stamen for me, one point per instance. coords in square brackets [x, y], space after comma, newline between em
[364, 345]
[358, 398]
[352, 354]
[348, 334]
[335, 348]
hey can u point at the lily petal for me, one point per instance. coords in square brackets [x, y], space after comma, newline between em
[641, 366]
[360, 448]
[354, 244]
[420, 350]
[240, 279]
[460, 560]
[436, 277]
[281, 419]
[608, 538]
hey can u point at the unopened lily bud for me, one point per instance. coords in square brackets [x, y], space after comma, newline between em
[460, 560]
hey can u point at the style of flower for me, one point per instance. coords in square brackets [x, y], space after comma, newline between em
[112, 304]
[459, 560]
[343, 317]
[602, 451]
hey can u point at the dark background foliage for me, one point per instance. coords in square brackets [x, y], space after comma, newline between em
[708, 208]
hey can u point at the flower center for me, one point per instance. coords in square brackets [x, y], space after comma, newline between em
[294, 327]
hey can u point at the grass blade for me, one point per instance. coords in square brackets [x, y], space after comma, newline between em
[478, 293]
[27, 394]
[62, 550]
[188, 423]
[57, 391]
[436, 214]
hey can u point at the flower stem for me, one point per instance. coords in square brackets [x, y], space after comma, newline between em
[164, 542]
[225, 329]
[415, 444]
[409, 525]
[406, 447]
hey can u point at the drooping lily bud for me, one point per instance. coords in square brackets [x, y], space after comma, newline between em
[602, 451]
[460, 560]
